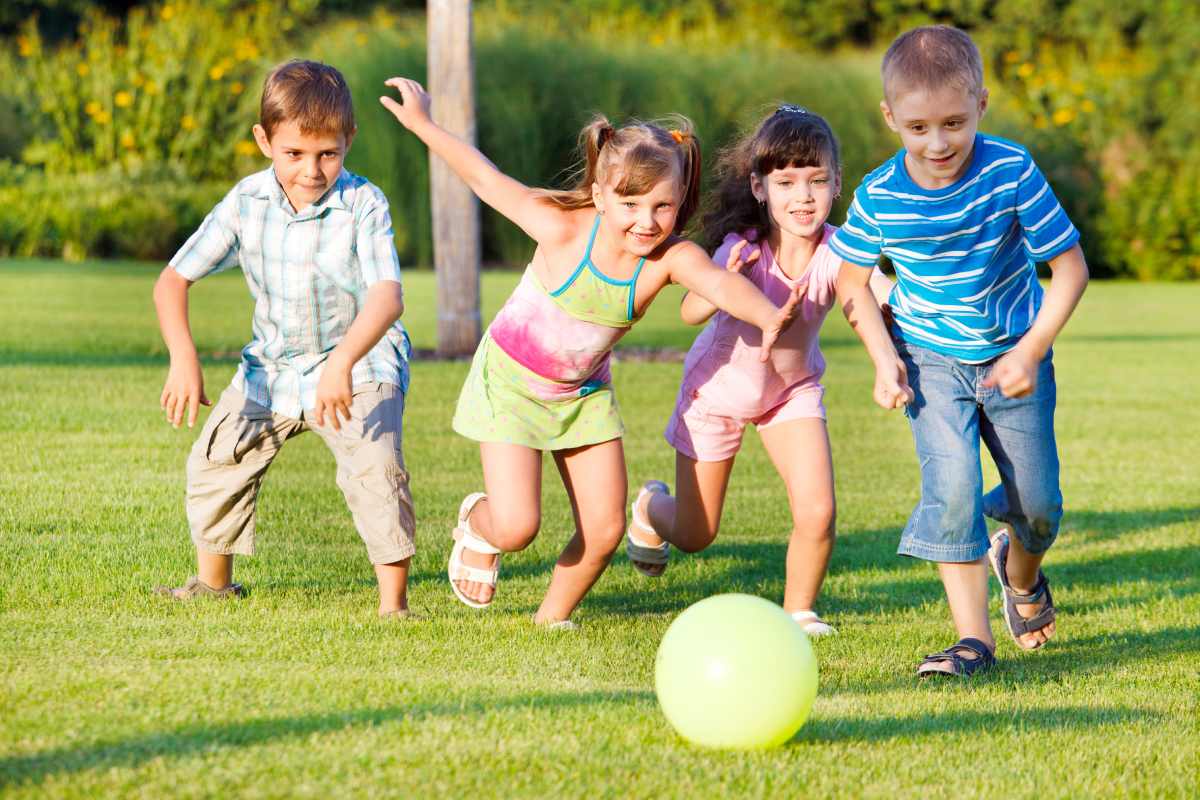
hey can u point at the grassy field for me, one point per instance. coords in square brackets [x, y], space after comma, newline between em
[298, 691]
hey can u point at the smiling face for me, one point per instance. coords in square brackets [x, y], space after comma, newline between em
[937, 128]
[798, 198]
[640, 222]
[306, 165]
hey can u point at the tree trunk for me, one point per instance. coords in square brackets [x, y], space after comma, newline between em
[456, 238]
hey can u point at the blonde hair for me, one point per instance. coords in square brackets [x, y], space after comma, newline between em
[309, 93]
[636, 156]
[932, 57]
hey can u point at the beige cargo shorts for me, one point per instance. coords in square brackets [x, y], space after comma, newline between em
[240, 440]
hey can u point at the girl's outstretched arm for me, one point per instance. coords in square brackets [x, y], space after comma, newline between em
[694, 309]
[510, 197]
[732, 292]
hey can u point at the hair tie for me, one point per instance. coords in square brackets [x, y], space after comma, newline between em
[606, 133]
[677, 135]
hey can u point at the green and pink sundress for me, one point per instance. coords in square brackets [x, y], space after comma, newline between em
[541, 376]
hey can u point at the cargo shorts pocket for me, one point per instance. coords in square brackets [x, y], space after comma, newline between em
[233, 437]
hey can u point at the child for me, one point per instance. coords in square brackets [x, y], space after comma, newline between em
[327, 352]
[540, 379]
[963, 217]
[777, 186]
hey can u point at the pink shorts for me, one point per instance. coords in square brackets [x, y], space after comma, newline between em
[698, 429]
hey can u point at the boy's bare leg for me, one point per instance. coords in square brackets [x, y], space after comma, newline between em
[1022, 571]
[509, 517]
[596, 483]
[214, 569]
[393, 586]
[967, 593]
[801, 454]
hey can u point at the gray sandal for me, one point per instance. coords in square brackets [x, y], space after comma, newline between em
[197, 588]
[1017, 625]
[963, 667]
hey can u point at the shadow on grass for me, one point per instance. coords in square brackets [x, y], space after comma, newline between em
[1106, 524]
[877, 729]
[110, 358]
[203, 739]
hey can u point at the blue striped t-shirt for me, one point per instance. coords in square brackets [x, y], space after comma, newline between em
[964, 254]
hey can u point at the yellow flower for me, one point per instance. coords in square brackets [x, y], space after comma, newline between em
[24, 46]
[245, 50]
[1012, 56]
[188, 122]
[1077, 87]
[127, 140]
[245, 148]
[82, 69]
[92, 108]
[361, 39]
[138, 80]
[236, 87]
[152, 88]
[216, 73]
[1063, 116]
[1025, 70]
[1039, 122]
[102, 118]
[1087, 106]
[167, 12]
[123, 99]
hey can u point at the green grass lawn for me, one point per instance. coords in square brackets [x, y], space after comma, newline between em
[298, 691]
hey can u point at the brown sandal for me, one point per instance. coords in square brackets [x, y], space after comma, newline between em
[197, 588]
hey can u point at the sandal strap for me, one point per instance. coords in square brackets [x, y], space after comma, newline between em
[1022, 625]
[475, 543]
[963, 667]
[463, 572]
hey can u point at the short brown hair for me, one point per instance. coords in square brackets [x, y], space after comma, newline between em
[932, 57]
[309, 93]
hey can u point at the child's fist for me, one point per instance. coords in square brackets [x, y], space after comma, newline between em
[1015, 373]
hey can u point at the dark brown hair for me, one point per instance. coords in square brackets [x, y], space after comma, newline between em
[790, 137]
[311, 94]
[932, 57]
[632, 159]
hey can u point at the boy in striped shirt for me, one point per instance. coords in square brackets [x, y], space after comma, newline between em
[964, 216]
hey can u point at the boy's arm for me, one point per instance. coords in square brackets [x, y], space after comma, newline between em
[384, 305]
[732, 292]
[1015, 372]
[184, 387]
[858, 304]
[510, 197]
[694, 309]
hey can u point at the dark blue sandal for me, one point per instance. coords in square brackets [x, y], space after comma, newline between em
[1017, 625]
[963, 667]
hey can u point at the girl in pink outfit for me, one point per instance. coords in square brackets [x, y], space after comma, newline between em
[776, 188]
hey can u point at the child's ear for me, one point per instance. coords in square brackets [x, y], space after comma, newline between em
[597, 198]
[756, 188]
[887, 115]
[261, 138]
[983, 101]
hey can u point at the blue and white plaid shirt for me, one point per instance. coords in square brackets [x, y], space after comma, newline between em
[308, 272]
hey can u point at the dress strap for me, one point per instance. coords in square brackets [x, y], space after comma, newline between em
[633, 287]
[587, 259]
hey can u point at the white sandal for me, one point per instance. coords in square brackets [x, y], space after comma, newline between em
[812, 624]
[637, 550]
[467, 539]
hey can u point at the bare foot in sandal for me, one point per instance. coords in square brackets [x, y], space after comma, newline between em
[474, 563]
[647, 551]
[1029, 611]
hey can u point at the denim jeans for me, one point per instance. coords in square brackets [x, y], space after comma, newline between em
[951, 414]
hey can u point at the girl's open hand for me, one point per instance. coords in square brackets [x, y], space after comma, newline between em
[783, 318]
[735, 262]
[413, 107]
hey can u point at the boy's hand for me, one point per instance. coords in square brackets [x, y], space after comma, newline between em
[413, 107]
[1015, 373]
[735, 262]
[334, 393]
[183, 391]
[891, 386]
[783, 318]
